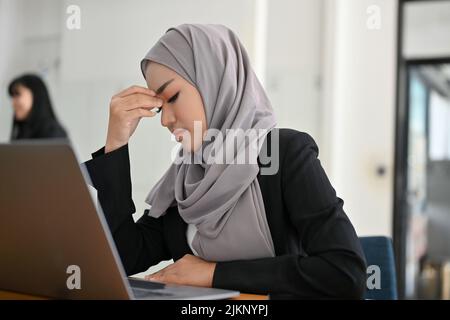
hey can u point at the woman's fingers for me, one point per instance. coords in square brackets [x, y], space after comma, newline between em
[135, 89]
[159, 277]
[139, 113]
[139, 100]
[151, 277]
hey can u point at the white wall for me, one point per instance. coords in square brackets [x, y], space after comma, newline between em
[359, 109]
[293, 59]
[10, 36]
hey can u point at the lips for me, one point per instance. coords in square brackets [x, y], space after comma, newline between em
[178, 133]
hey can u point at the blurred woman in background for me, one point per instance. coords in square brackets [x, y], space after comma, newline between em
[34, 117]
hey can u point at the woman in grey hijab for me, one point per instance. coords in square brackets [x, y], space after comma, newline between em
[228, 213]
[227, 224]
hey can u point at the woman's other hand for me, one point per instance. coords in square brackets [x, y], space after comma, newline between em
[189, 270]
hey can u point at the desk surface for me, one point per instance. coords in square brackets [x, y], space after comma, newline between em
[8, 295]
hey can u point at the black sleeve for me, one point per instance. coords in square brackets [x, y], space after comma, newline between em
[140, 244]
[334, 267]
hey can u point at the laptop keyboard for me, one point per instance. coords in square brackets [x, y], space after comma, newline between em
[147, 289]
[144, 293]
[141, 284]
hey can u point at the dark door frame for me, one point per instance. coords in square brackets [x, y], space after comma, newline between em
[400, 209]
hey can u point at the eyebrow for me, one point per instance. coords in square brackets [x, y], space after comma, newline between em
[161, 89]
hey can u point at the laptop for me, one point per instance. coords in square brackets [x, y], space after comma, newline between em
[55, 241]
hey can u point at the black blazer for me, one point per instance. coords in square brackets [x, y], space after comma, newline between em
[318, 254]
[47, 129]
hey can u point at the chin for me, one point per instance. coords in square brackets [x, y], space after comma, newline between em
[19, 117]
[190, 148]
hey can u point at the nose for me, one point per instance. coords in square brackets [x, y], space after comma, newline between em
[168, 117]
[15, 103]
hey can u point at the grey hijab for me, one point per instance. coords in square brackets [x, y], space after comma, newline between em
[223, 201]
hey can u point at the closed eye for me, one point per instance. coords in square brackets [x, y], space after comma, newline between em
[174, 97]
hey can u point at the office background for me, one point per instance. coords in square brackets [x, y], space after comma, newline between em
[330, 68]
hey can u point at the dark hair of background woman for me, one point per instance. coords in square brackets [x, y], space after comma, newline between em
[41, 122]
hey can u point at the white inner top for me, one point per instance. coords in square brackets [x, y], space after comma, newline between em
[190, 233]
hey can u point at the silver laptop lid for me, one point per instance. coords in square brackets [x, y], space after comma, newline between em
[50, 229]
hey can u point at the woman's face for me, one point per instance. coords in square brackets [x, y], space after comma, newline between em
[22, 101]
[182, 105]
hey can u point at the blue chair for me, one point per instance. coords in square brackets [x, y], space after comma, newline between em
[380, 263]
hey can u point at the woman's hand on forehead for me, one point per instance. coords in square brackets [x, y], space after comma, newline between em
[127, 108]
